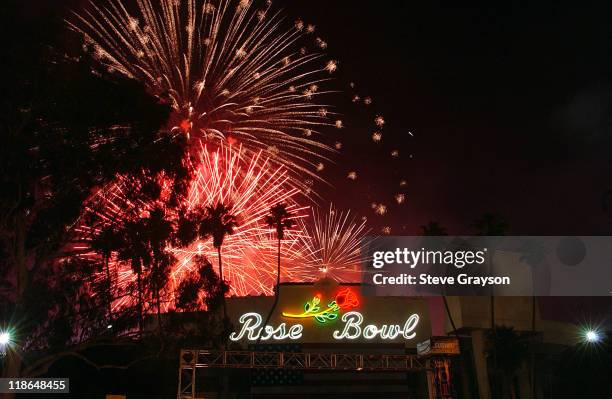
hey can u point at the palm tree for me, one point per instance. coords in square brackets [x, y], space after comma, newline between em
[510, 350]
[434, 229]
[133, 249]
[143, 244]
[218, 222]
[279, 219]
[159, 233]
[491, 224]
[105, 243]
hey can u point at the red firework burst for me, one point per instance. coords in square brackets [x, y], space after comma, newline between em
[224, 175]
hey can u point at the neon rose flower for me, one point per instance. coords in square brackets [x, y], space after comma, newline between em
[346, 299]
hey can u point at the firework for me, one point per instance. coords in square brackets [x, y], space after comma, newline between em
[252, 187]
[380, 209]
[247, 91]
[334, 240]
[231, 71]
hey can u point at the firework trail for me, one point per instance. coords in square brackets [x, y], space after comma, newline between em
[252, 186]
[233, 72]
[333, 240]
[249, 255]
[248, 95]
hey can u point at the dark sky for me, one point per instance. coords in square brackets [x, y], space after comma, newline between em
[509, 104]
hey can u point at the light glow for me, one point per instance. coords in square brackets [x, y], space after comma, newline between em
[5, 338]
[592, 336]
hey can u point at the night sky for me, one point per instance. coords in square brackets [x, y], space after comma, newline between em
[509, 105]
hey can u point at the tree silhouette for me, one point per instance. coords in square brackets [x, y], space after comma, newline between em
[491, 224]
[159, 229]
[218, 222]
[510, 349]
[105, 243]
[202, 289]
[66, 134]
[433, 229]
[278, 219]
[133, 249]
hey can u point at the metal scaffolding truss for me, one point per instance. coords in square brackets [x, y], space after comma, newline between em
[193, 359]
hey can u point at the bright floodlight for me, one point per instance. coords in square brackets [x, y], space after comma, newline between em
[592, 336]
[5, 338]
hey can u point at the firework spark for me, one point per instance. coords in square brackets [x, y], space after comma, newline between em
[231, 71]
[334, 240]
[380, 209]
[252, 187]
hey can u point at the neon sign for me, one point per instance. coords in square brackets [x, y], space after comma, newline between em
[353, 328]
[251, 323]
[345, 299]
[351, 325]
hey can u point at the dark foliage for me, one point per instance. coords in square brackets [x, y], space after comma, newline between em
[67, 132]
